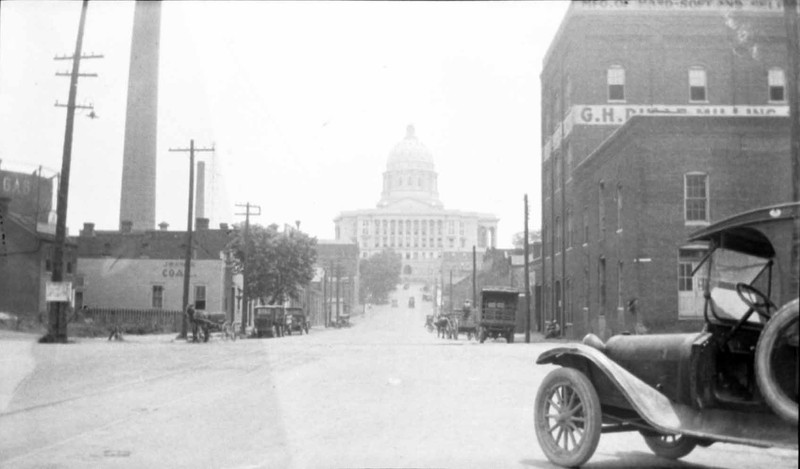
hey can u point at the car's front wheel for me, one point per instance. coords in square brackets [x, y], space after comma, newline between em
[567, 417]
[776, 362]
[670, 446]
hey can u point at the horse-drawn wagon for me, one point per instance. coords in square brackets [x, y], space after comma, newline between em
[205, 323]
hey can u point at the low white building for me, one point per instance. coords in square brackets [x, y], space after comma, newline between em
[145, 270]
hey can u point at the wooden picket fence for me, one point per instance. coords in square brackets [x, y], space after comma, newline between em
[146, 320]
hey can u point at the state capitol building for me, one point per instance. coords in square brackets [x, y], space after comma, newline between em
[411, 220]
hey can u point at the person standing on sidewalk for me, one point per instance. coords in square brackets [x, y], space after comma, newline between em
[190, 315]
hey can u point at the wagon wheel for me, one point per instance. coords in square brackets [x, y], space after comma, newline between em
[670, 446]
[567, 417]
[778, 344]
[206, 332]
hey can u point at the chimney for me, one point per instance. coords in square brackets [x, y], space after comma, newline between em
[163, 226]
[201, 224]
[200, 191]
[125, 226]
[223, 226]
[88, 229]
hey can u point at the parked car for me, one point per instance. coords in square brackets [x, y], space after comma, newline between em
[498, 313]
[296, 321]
[269, 321]
[735, 381]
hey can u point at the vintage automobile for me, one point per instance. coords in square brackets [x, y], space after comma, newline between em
[735, 381]
[498, 313]
[296, 321]
[269, 321]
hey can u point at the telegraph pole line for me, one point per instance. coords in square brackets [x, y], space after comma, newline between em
[187, 265]
[246, 274]
[57, 317]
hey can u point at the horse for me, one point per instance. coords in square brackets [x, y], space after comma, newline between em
[442, 326]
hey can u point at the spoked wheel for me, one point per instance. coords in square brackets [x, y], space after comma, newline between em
[776, 362]
[670, 446]
[567, 417]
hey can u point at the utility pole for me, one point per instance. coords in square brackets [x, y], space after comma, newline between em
[338, 289]
[246, 274]
[187, 264]
[527, 279]
[57, 317]
[474, 274]
[793, 95]
[451, 290]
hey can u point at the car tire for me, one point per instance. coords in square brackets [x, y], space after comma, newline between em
[567, 402]
[670, 446]
[773, 339]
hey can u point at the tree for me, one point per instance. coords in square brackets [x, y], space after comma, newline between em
[379, 276]
[281, 264]
[519, 238]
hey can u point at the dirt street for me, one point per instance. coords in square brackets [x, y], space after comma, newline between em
[383, 393]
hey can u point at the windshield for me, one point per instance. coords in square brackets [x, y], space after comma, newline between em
[728, 268]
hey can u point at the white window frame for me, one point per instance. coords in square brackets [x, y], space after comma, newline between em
[197, 289]
[615, 76]
[776, 78]
[686, 199]
[698, 78]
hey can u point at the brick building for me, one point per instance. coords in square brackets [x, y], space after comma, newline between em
[27, 239]
[658, 118]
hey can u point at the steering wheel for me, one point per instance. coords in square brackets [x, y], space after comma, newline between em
[762, 303]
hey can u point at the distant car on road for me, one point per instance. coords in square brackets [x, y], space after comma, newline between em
[411, 302]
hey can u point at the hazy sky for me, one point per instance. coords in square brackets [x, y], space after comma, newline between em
[303, 100]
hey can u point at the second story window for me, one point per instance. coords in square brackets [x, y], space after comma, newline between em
[616, 83]
[697, 85]
[696, 197]
[777, 85]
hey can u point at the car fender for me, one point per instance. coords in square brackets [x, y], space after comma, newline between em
[668, 417]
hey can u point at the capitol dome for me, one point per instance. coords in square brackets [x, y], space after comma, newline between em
[410, 153]
[409, 174]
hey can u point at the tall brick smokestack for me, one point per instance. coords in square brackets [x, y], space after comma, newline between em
[138, 195]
